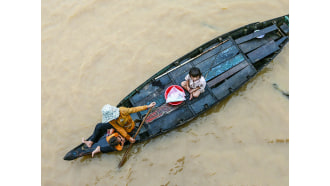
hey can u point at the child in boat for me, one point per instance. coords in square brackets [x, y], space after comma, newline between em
[115, 140]
[194, 83]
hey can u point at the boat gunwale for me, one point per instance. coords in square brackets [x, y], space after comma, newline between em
[232, 34]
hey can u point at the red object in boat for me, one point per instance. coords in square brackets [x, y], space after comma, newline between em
[169, 89]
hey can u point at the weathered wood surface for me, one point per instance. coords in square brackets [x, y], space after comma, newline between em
[227, 74]
[256, 34]
[263, 51]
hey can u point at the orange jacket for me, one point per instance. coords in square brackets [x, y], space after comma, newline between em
[124, 123]
[117, 147]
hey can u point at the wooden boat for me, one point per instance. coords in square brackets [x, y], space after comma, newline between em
[227, 62]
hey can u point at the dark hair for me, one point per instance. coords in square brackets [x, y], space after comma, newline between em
[113, 141]
[195, 72]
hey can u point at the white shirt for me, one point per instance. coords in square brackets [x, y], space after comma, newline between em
[201, 83]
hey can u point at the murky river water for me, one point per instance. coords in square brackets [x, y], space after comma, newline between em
[96, 52]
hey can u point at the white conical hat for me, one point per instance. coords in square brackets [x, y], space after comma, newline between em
[109, 113]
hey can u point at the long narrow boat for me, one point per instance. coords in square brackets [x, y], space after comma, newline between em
[227, 62]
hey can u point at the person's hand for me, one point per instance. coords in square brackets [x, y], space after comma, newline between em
[151, 104]
[132, 140]
[97, 150]
[122, 140]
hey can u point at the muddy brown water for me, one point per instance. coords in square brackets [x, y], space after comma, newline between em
[96, 52]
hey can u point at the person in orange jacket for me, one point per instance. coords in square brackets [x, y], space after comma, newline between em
[115, 141]
[119, 119]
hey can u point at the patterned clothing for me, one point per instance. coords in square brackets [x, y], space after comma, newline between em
[124, 123]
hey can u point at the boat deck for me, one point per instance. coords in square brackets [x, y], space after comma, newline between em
[227, 62]
[226, 66]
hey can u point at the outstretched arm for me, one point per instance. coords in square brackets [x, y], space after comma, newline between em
[131, 110]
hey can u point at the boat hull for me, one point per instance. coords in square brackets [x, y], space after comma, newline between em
[227, 62]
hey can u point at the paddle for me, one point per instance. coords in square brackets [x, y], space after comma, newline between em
[130, 145]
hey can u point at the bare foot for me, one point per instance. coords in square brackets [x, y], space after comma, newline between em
[97, 150]
[88, 143]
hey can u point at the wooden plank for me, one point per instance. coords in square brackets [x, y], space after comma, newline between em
[205, 101]
[221, 57]
[223, 67]
[238, 79]
[183, 69]
[285, 28]
[256, 34]
[149, 89]
[280, 41]
[256, 43]
[263, 51]
[225, 55]
[227, 74]
[212, 52]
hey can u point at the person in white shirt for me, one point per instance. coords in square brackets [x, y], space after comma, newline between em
[194, 83]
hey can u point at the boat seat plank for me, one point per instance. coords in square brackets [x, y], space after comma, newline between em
[234, 82]
[213, 52]
[256, 34]
[256, 43]
[221, 90]
[227, 74]
[207, 55]
[217, 59]
[206, 65]
[241, 77]
[217, 70]
[225, 55]
[280, 41]
[285, 28]
[263, 51]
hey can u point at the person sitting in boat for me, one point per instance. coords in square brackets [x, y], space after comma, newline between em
[115, 140]
[194, 83]
[120, 118]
